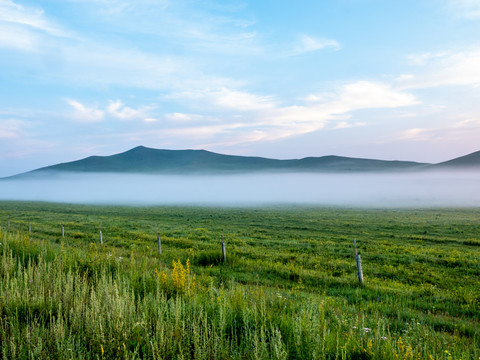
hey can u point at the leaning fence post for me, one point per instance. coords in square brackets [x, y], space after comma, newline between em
[224, 251]
[159, 242]
[359, 264]
[101, 237]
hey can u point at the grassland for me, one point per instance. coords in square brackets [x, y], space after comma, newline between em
[288, 289]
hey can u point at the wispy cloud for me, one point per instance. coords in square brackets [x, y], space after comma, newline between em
[222, 94]
[13, 13]
[83, 113]
[443, 69]
[265, 120]
[307, 43]
[240, 100]
[26, 28]
[466, 129]
[114, 110]
[184, 118]
[100, 61]
[365, 94]
[301, 119]
[118, 110]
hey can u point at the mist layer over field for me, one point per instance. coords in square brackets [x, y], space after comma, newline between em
[378, 190]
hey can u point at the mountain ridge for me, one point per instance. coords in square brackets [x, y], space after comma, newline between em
[147, 160]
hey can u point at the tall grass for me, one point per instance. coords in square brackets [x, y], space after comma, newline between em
[83, 302]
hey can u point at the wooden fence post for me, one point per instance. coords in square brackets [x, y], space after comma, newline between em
[8, 223]
[159, 242]
[101, 237]
[63, 232]
[224, 251]
[359, 270]
[359, 264]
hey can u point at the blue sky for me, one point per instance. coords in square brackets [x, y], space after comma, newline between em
[283, 79]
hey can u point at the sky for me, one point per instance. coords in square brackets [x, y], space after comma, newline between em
[383, 79]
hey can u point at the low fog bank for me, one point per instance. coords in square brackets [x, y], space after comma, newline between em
[358, 190]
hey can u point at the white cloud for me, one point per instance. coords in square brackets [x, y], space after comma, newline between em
[308, 43]
[350, 97]
[443, 69]
[115, 109]
[239, 100]
[84, 113]
[219, 96]
[95, 62]
[315, 98]
[365, 94]
[120, 111]
[276, 122]
[11, 12]
[182, 117]
[463, 132]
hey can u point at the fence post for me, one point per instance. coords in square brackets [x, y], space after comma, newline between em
[159, 242]
[63, 232]
[101, 237]
[359, 264]
[359, 270]
[8, 223]
[29, 228]
[224, 251]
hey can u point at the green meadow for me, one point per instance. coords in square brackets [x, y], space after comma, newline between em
[288, 290]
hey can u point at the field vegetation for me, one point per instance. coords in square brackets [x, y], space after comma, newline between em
[287, 291]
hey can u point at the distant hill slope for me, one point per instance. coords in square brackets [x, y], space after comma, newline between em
[146, 160]
[470, 161]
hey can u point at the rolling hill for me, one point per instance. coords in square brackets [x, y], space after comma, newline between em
[147, 160]
[470, 161]
[156, 161]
